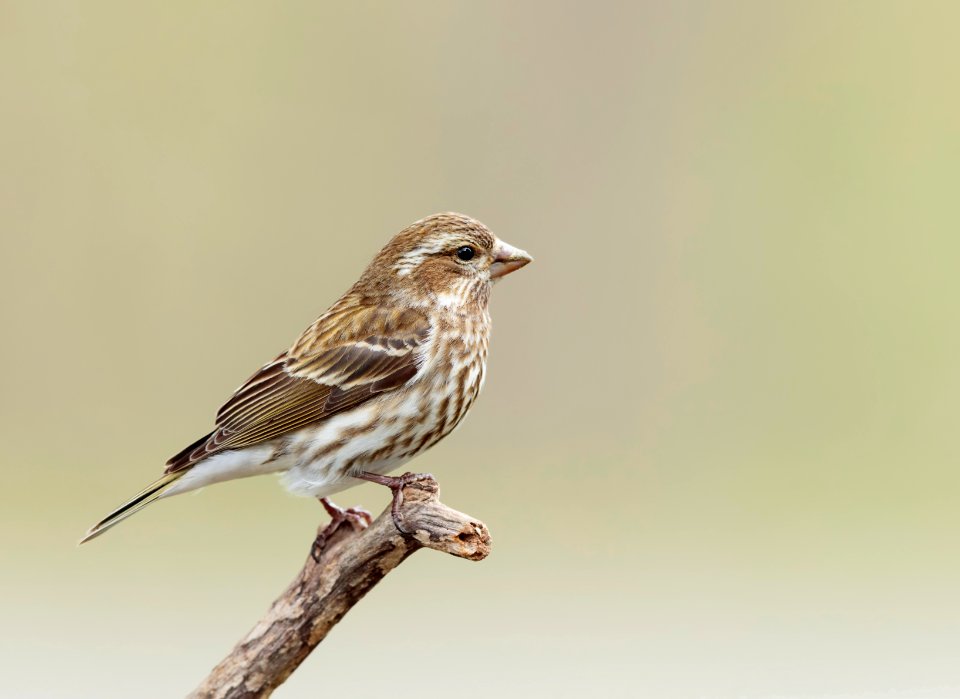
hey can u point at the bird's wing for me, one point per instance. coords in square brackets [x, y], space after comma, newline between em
[345, 358]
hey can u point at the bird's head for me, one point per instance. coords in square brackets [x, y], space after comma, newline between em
[446, 259]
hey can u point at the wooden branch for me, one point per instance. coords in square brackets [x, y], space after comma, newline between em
[349, 565]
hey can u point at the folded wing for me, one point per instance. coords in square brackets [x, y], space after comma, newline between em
[347, 357]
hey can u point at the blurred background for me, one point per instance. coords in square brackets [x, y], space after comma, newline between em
[717, 447]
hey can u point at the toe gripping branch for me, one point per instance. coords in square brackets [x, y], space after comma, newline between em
[358, 519]
[397, 484]
[416, 513]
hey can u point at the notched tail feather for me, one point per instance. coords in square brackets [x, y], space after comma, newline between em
[139, 501]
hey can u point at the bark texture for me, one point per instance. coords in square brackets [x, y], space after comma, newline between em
[349, 565]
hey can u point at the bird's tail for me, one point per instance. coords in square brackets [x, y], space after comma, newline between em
[137, 503]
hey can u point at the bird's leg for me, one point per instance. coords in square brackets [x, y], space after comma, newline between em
[356, 517]
[396, 485]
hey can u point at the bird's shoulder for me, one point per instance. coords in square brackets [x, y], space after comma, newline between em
[367, 332]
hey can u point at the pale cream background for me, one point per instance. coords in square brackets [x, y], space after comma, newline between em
[718, 445]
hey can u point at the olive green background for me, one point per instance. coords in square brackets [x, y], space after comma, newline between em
[717, 449]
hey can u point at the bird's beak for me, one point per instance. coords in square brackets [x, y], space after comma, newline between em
[506, 259]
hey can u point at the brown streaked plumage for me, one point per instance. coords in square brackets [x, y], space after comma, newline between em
[389, 370]
[357, 352]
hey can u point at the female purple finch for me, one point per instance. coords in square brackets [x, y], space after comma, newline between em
[387, 372]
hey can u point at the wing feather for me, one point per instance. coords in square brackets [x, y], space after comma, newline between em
[347, 357]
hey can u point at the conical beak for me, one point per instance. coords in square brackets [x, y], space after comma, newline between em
[506, 259]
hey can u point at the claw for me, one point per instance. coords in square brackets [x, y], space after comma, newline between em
[396, 485]
[356, 517]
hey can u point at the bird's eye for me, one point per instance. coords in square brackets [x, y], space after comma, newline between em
[465, 253]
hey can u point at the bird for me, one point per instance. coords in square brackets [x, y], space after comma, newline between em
[390, 369]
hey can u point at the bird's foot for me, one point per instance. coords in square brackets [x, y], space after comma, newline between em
[356, 517]
[396, 485]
